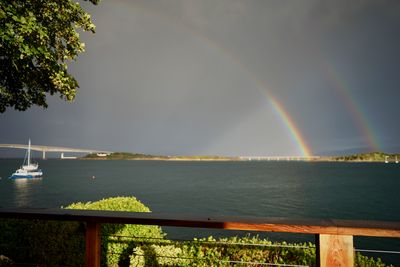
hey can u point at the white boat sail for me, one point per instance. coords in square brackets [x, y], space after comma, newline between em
[29, 170]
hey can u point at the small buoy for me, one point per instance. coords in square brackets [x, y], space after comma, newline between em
[93, 177]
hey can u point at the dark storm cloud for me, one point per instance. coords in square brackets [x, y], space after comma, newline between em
[189, 77]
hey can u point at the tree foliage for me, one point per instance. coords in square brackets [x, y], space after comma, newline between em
[37, 39]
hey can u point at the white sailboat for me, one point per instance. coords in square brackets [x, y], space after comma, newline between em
[28, 170]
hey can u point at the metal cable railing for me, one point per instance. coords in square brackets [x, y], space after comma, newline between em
[334, 238]
[142, 240]
[383, 256]
[208, 242]
[377, 251]
[200, 241]
[181, 242]
[228, 251]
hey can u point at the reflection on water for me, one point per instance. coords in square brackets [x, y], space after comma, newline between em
[24, 189]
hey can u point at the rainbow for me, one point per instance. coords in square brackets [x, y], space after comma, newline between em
[290, 126]
[352, 106]
[278, 107]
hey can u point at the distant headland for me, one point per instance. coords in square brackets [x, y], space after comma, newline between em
[369, 157]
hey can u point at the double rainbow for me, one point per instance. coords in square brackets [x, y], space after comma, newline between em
[278, 107]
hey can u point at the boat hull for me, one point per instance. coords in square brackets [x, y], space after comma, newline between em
[26, 175]
[13, 177]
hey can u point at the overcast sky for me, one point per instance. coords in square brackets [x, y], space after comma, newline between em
[198, 77]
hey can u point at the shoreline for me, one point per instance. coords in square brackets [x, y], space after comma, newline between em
[375, 157]
[239, 160]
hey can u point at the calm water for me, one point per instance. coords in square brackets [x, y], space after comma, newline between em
[362, 191]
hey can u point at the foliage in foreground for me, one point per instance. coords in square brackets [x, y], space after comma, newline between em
[62, 244]
[116, 247]
[233, 251]
[37, 38]
[53, 243]
[45, 242]
[223, 252]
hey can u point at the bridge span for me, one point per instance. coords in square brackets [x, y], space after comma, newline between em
[280, 158]
[62, 150]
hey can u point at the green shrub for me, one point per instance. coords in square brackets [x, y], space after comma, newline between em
[116, 247]
[364, 261]
[55, 243]
[161, 254]
[50, 243]
[212, 252]
[6, 262]
[230, 252]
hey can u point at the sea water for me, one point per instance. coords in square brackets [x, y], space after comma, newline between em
[312, 190]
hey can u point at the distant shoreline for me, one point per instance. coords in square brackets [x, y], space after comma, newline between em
[132, 156]
[375, 157]
[163, 159]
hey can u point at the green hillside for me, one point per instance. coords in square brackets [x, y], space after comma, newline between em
[370, 157]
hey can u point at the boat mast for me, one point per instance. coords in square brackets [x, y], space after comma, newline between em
[29, 152]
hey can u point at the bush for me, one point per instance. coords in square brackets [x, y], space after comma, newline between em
[51, 243]
[364, 261]
[230, 252]
[6, 262]
[116, 242]
[211, 252]
[162, 254]
[54, 243]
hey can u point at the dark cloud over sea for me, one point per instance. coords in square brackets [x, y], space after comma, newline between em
[196, 77]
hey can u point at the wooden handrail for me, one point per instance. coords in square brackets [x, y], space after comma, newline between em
[272, 224]
[334, 238]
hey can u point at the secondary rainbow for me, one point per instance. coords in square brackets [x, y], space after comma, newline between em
[354, 109]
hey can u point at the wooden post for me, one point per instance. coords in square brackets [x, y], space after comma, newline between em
[335, 250]
[93, 244]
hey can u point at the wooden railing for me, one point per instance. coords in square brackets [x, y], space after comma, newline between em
[334, 238]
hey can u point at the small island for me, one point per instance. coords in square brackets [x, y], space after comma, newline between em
[369, 157]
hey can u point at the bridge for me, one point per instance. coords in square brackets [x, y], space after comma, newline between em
[280, 158]
[62, 150]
